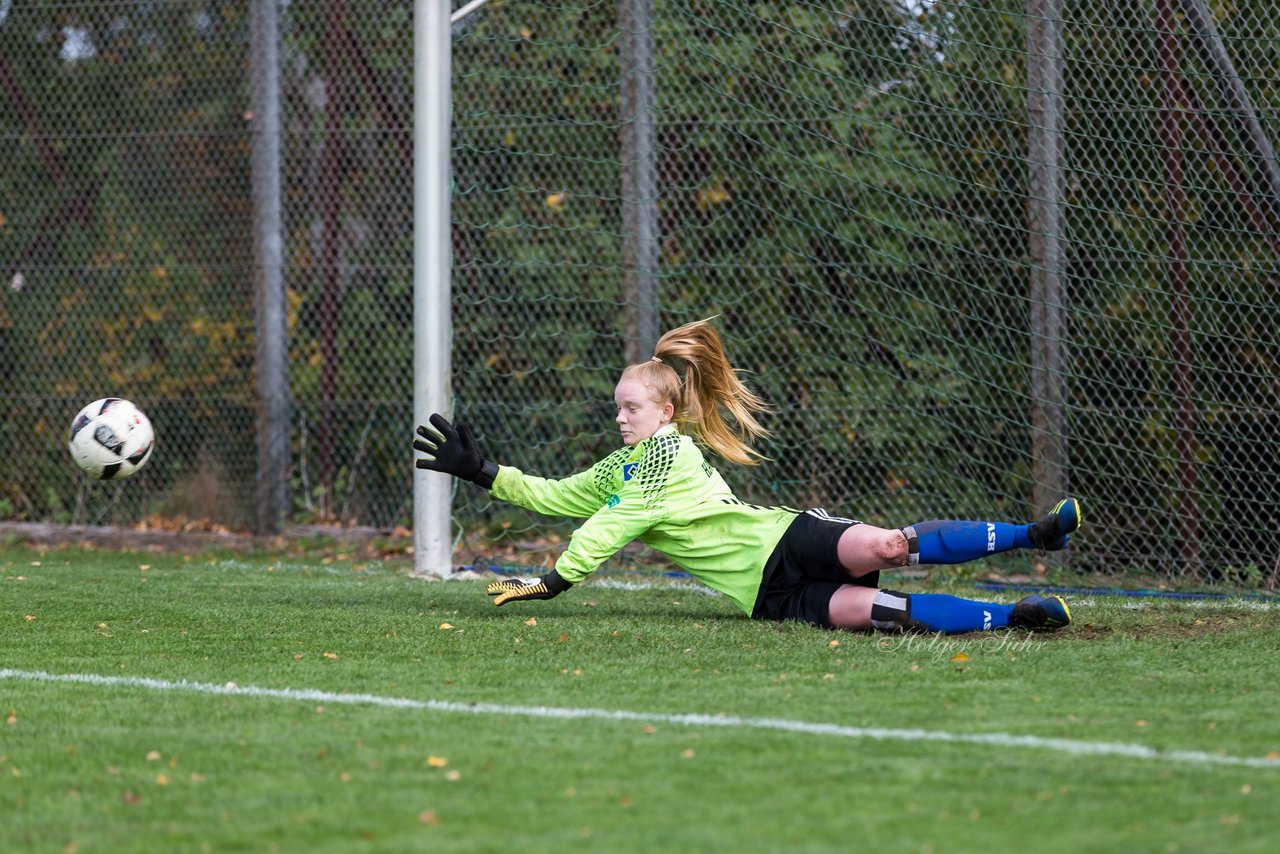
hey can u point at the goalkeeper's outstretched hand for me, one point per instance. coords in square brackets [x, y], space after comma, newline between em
[548, 586]
[453, 451]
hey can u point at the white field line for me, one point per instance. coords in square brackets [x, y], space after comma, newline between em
[1197, 604]
[990, 739]
[673, 585]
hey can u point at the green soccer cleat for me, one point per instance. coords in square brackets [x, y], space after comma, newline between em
[1040, 612]
[1051, 533]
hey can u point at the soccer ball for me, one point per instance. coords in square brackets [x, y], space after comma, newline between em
[111, 439]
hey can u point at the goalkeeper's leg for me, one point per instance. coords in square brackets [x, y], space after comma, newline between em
[861, 608]
[864, 548]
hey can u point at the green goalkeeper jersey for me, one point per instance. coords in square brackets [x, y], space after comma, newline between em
[665, 493]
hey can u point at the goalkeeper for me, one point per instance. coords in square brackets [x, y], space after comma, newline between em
[775, 563]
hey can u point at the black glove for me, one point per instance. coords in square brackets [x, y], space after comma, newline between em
[548, 586]
[453, 451]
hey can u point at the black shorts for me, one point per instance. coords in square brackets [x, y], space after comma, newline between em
[804, 572]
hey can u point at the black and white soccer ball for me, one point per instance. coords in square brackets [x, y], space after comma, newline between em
[111, 439]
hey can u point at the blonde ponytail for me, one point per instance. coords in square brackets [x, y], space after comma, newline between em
[690, 368]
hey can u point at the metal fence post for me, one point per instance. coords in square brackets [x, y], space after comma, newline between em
[639, 178]
[1261, 154]
[1184, 418]
[268, 251]
[1047, 245]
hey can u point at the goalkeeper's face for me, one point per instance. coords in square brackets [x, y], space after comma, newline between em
[639, 415]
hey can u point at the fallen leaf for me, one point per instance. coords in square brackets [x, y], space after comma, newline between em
[153, 756]
[332, 656]
[428, 817]
[833, 645]
[532, 621]
[649, 729]
[446, 626]
[827, 677]
[130, 798]
[437, 761]
[162, 779]
[453, 775]
[960, 657]
[13, 717]
[1246, 789]
[563, 638]
[1142, 723]
[29, 617]
[687, 754]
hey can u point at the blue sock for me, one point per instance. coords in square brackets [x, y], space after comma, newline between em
[939, 612]
[938, 541]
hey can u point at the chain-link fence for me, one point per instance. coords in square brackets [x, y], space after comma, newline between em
[976, 255]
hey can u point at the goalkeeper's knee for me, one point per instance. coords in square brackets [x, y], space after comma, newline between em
[891, 611]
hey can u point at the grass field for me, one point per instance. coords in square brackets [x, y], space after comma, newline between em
[209, 703]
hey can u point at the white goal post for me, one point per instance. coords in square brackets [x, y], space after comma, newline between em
[432, 267]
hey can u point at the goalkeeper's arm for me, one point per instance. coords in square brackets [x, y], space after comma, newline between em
[453, 451]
